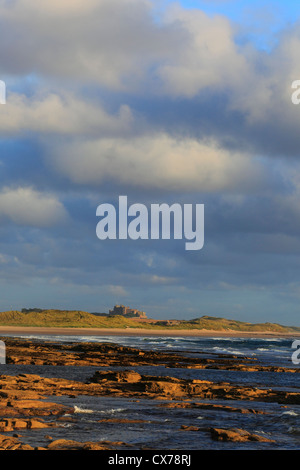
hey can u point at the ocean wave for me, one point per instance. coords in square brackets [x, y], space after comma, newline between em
[270, 350]
[227, 351]
[290, 413]
[111, 411]
[78, 409]
[224, 338]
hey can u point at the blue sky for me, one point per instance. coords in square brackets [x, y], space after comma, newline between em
[176, 102]
[237, 10]
[260, 21]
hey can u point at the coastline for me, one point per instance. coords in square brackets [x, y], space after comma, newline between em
[56, 331]
[101, 396]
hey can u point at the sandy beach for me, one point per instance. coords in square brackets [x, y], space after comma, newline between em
[138, 332]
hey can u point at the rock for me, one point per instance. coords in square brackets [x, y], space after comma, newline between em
[236, 435]
[12, 443]
[189, 428]
[163, 387]
[25, 397]
[38, 424]
[22, 351]
[129, 376]
[211, 406]
[10, 424]
[65, 444]
[37, 408]
[14, 394]
[94, 446]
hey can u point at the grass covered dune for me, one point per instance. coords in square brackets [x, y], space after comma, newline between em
[80, 319]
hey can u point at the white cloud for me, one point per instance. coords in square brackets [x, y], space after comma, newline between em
[156, 161]
[110, 42]
[155, 279]
[118, 45]
[116, 290]
[60, 115]
[26, 206]
[209, 58]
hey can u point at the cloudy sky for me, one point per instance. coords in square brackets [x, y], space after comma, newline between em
[162, 101]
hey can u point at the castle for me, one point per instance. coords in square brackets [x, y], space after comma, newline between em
[127, 312]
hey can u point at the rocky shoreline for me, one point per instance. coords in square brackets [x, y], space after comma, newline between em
[25, 399]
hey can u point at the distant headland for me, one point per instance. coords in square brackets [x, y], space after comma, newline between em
[128, 319]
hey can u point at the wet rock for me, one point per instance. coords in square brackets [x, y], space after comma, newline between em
[25, 397]
[23, 351]
[189, 428]
[10, 424]
[236, 435]
[34, 408]
[123, 376]
[164, 387]
[12, 443]
[65, 444]
[212, 406]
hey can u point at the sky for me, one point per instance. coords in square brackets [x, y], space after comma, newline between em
[165, 102]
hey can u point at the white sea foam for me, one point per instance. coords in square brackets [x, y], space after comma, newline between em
[227, 351]
[112, 411]
[78, 409]
[269, 350]
[290, 413]
[225, 338]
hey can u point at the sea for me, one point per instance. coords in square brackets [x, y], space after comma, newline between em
[159, 427]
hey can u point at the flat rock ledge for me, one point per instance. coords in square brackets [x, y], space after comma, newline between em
[131, 384]
[236, 435]
[13, 443]
[25, 399]
[23, 351]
